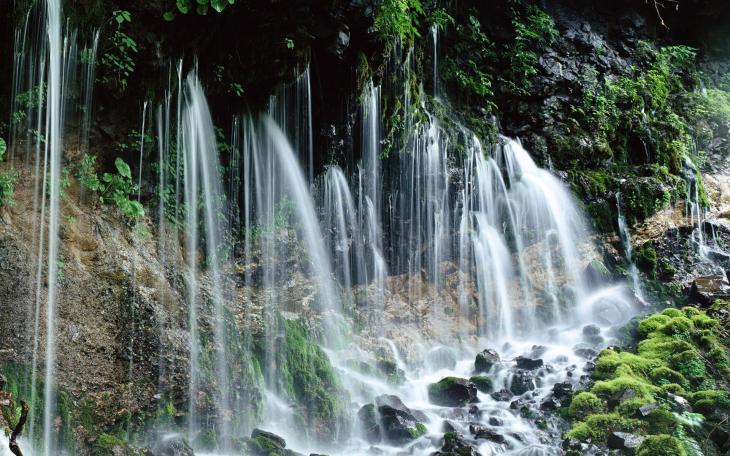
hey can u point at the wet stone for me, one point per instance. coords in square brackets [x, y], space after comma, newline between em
[485, 360]
[528, 363]
[484, 433]
[586, 353]
[522, 382]
[591, 330]
[502, 395]
[494, 421]
[562, 390]
[452, 392]
[455, 443]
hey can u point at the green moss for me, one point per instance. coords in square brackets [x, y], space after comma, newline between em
[661, 445]
[662, 421]
[596, 428]
[264, 446]
[584, 404]
[417, 431]
[306, 375]
[109, 445]
[664, 376]
[483, 383]
[645, 258]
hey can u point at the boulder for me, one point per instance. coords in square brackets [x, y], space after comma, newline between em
[523, 362]
[550, 403]
[502, 395]
[625, 442]
[591, 330]
[398, 423]
[174, 445]
[485, 360]
[562, 390]
[368, 418]
[482, 382]
[494, 421]
[481, 432]
[705, 290]
[456, 444]
[452, 392]
[522, 382]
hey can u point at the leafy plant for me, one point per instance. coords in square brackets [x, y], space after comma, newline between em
[201, 7]
[112, 187]
[534, 31]
[118, 60]
[118, 187]
[398, 19]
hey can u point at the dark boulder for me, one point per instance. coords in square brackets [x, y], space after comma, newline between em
[456, 444]
[482, 382]
[484, 433]
[523, 362]
[485, 360]
[522, 382]
[562, 390]
[398, 423]
[452, 392]
[502, 395]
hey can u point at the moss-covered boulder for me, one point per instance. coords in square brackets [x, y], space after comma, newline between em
[263, 443]
[305, 374]
[452, 392]
[110, 445]
[661, 445]
[483, 383]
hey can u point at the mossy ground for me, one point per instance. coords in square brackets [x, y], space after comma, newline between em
[678, 352]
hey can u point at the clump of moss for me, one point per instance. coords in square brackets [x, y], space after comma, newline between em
[584, 404]
[661, 445]
[597, 427]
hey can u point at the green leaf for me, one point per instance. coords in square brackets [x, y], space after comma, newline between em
[169, 16]
[183, 6]
[202, 9]
[218, 5]
[123, 168]
[3, 148]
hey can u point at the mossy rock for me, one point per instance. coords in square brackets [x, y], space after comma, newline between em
[306, 375]
[452, 392]
[596, 428]
[661, 445]
[483, 383]
[584, 404]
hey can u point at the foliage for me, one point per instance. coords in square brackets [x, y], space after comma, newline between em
[7, 180]
[118, 60]
[534, 31]
[28, 100]
[114, 188]
[398, 19]
[468, 70]
[202, 7]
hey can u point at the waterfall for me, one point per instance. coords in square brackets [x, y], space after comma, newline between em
[54, 141]
[625, 235]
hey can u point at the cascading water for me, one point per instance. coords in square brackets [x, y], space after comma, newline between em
[623, 232]
[446, 214]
